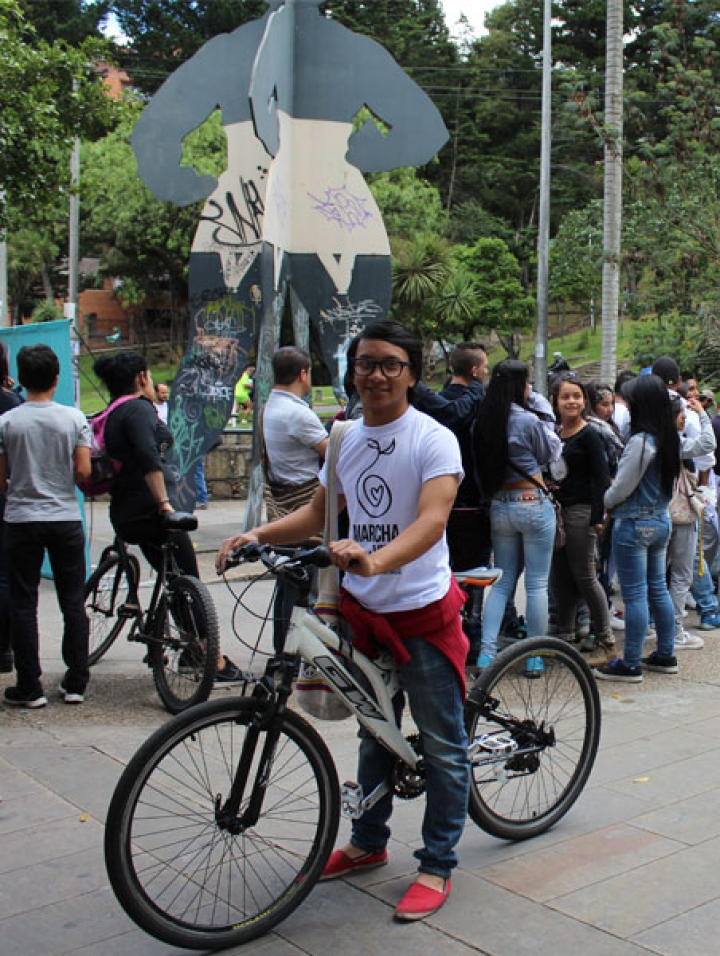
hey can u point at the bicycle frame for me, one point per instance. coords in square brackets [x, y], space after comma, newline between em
[311, 638]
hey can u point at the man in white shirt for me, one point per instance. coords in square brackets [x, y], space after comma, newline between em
[162, 393]
[294, 441]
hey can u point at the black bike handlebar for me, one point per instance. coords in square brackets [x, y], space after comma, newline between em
[277, 558]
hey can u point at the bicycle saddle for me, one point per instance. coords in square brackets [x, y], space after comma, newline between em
[179, 521]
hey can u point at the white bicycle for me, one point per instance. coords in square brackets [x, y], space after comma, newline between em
[222, 822]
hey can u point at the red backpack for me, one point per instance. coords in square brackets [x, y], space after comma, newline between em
[103, 468]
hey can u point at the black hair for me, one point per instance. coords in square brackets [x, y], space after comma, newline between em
[596, 392]
[4, 367]
[490, 445]
[627, 375]
[463, 357]
[667, 369]
[119, 372]
[288, 362]
[395, 334]
[651, 413]
[38, 367]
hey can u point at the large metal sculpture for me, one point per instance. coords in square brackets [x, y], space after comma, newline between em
[292, 214]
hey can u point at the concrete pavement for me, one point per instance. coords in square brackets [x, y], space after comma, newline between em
[632, 869]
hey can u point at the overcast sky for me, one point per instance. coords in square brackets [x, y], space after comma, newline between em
[474, 10]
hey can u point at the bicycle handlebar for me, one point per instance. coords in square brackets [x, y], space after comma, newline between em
[278, 559]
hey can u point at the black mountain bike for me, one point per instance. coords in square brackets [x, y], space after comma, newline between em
[179, 627]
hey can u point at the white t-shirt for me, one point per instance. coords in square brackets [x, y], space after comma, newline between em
[381, 471]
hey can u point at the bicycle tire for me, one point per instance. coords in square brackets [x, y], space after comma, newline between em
[175, 872]
[105, 590]
[184, 654]
[518, 796]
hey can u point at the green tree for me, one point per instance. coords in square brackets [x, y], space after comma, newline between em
[503, 306]
[408, 204]
[49, 94]
[73, 21]
[142, 242]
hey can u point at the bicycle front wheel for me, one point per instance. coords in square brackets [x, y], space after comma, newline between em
[184, 654]
[533, 720]
[107, 589]
[181, 877]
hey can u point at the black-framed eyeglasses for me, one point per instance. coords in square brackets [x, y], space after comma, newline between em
[389, 366]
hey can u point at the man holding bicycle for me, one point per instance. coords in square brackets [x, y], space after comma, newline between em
[398, 473]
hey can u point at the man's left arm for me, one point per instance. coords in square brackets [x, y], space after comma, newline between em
[436, 499]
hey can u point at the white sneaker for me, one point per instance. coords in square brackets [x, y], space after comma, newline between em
[617, 619]
[71, 697]
[684, 641]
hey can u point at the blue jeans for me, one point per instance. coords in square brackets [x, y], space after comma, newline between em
[200, 483]
[523, 532]
[639, 548]
[434, 694]
[702, 588]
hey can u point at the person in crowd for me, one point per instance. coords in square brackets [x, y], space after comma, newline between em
[707, 400]
[9, 398]
[44, 450]
[601, 400]
[621, 413]
[468, 530]
[580, 493]
[202, 498]
[162, 394]
[244, 396]
[403, 590]
[294, 441]
[145, 485]
[638, 500]
[683, 544]
[512, 446]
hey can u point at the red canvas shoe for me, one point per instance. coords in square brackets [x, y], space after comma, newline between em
[420, 901]
[340, 864]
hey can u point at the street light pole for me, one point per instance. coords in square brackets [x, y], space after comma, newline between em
[541, 338]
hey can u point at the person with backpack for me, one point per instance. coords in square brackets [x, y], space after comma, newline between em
[144, 488]
[44, 450]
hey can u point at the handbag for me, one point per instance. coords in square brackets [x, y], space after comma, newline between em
[313, 694]
[560, 537]
[686, 505]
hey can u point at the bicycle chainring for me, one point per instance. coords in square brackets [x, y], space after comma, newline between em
[409, 783]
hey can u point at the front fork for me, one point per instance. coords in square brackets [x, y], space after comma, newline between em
[271, 695]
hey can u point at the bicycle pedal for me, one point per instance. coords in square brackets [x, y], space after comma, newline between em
[128, 611]
[351, 800]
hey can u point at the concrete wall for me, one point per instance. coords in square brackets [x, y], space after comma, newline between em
[227, 467]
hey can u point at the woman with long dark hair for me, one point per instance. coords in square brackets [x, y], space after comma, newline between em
[511, 449]
[145, 487]
[638, 502]
[580, 493]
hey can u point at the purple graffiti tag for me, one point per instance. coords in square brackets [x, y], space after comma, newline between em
[343, 207]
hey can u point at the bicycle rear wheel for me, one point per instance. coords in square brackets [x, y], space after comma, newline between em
[184, 659]
[181, 877]
[534, 731]
[106, 590]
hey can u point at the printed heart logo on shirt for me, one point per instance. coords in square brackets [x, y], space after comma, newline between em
[375, 496]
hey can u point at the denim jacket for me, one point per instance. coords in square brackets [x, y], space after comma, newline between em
[637, 492]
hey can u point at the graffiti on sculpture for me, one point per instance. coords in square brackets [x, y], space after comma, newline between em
[307, 107]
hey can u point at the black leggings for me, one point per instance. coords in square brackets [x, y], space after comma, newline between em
[148, 533]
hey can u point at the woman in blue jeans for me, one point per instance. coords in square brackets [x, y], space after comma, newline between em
[638, 502]
[512, 446]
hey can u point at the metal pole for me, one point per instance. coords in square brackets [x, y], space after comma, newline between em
[71, 305]
[541, 338]
[3, 282]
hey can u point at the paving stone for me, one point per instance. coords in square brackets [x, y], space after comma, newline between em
[691, 820]
[558, 870]
[691, 934]
[30, 844]
[628, 904]
[498, 922]
[37, 810]
[50, 881]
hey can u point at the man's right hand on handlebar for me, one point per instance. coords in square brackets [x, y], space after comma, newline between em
[232, 544]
